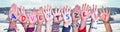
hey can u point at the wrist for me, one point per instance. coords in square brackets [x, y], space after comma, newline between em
[106, 22]
[67, 24]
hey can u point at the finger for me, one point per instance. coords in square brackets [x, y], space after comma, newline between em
[22, 9]
[93, 8]
[64, 10]
[42, 10]
[59, 10]
[69, 9]
[103, 9]
[107, 10]
[55, 10]
[52, 12]
[83, 6]
[96, 8]
[87, 7]
[45, 9]
[50, 8]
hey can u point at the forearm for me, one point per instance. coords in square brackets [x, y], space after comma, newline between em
[48, 26]
[108, 27]
[75, 26]
[39, 26]
[93, 26]
[82, 24]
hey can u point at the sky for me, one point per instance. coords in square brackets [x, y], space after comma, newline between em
[58, 3]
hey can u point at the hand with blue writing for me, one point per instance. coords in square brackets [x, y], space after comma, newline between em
[48, 17]
[67, 16]
[32, 17]
[48, 13]
[94, 16]
[94, 12]
[13, 13]
[13, 16]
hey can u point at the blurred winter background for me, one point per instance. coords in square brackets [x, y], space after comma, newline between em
[113, 5]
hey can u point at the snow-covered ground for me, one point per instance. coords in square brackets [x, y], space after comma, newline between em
[101, 28]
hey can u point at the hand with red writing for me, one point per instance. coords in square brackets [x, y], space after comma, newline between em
[40, 14]
[84, 13]
[22, 15]
[105, 17]
[32, 17]
[40, 19]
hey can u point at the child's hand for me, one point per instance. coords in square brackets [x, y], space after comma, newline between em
[105, 15]
[48, 13]
[94, 12]
[58, 15]
[22, 15]
[40, 14]
[85, 14]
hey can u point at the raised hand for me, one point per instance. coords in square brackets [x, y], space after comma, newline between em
[22, 15]
[94, 12]
[58, 15]
[12, 16]
[94, 16]
[40, 14]
[48, 13]
[75, 18]
[85, 14]
[13, 12]
[67, 16]
[32, 17]
[105, 15]
[75, 13]
[40, 19]
[48, 17]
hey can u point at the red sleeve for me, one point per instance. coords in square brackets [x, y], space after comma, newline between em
[83, 30]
